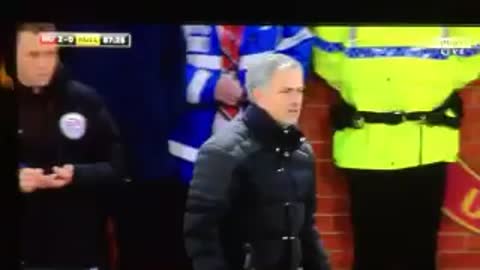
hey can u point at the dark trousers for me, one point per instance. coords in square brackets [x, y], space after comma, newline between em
[396, 216]
[149, 224]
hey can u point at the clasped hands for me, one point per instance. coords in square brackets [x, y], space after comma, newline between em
[31, 179]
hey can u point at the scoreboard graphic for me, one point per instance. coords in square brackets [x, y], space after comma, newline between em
[80, 39]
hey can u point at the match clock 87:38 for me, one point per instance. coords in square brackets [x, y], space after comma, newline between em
[115, 40]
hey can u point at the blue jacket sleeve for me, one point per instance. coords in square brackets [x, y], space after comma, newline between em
[200, 88]
[203, 64]
[297, 42]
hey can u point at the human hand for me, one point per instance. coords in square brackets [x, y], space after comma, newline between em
[63, 174]
[228, 90]
[31, 179]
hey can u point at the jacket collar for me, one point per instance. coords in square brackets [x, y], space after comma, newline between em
[269, 133]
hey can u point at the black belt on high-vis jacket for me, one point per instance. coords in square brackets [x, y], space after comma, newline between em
[344, 115]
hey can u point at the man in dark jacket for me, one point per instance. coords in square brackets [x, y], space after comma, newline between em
[144, 88]
[252, 198]
[69, 158]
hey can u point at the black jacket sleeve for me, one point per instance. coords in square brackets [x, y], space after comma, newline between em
[207, 203]
[314, 256]
[108, 165]
[9, 187]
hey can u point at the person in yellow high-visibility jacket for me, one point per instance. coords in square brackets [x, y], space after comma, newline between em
[468, 53]
[396, 128]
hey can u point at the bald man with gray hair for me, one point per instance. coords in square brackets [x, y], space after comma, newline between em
[252, 200]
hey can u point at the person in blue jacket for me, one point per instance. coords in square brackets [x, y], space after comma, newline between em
[143, 87]
[217, 57]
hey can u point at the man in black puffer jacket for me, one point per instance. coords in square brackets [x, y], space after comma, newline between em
[251, 202]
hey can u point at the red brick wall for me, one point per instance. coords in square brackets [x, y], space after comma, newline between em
[459, 248]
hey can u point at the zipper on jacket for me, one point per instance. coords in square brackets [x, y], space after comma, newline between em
[420, 152]
[288, 241]
[57, 114]
[248, 261]
[288, 208]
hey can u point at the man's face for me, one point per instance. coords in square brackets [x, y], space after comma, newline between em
[36, 62]
[283, 97]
